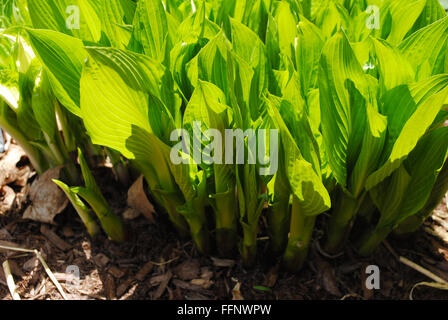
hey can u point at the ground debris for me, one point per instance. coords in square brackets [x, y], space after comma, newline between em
[204, 283]
[271, 278]
[124, 286]
[7, 199]
[188, 270]
[116, 272]
[101, 260]
[138, 201]
[47, 200]
[327, 278]
[54, 238]
[236, 293]
[9, 169]
[109, 287]
[163, 285]
[223, 263]
[143, 272]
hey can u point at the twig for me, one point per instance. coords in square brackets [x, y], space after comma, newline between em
[352, 295]
[440, 286]
[16, 249]
[159, 264]
[422, 270]
[46, 267]
[10, 281]
[327, 255]
[388, 246]
[94, 296]
[38, 296]
[51, 275]
[439, 282]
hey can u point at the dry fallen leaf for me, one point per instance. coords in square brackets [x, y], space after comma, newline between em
[236, 293]
[47, 200]
[7, 198]
[137, 199]
[9, 171]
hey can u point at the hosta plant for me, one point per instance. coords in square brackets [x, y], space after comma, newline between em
[245, 117]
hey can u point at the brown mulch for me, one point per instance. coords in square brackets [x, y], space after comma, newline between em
[154, 263]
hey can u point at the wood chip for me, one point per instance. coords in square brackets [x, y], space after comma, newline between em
[156, 280]
[15, 269]
[124, 286]
[203, 283]
[109, 287]
[185, 285]
[194, 296]
[188, 270]
[223, 263]
[327, 278]
[194, 285]
[5, 235]
[163, 285]
[130, 292]
[61, 276]
[206, 273]
[54, 238]
[31, 264]
[271, 278]
[68, 232]
[116, 272]
[101, 260]
[144, 271]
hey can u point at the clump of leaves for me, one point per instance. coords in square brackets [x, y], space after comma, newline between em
[356, 89]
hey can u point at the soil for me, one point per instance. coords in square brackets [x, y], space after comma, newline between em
[154, 263]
